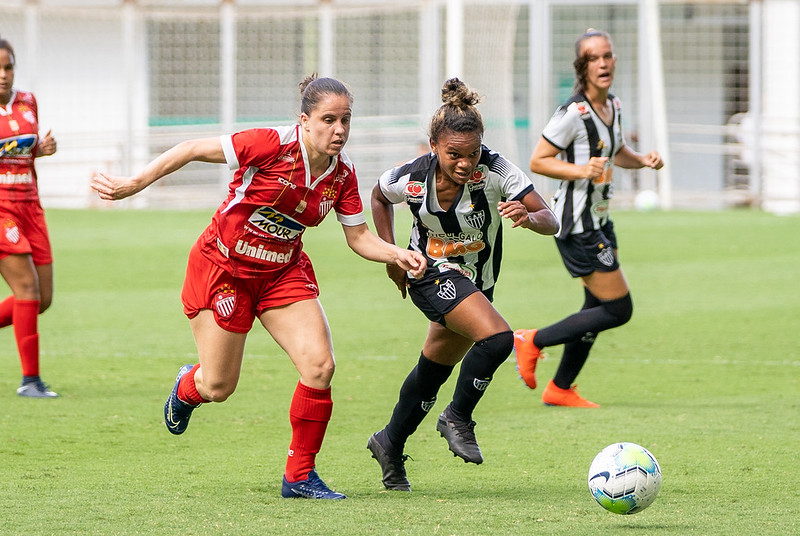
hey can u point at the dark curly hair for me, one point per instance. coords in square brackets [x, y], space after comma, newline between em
[458, 113]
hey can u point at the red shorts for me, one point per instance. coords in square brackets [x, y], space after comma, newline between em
[23, 231]
[237, 301]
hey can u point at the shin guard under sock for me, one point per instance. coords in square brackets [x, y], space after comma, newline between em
[309, 415]
[417, 397]
[6, 311]
[477, 369]
[26, 313]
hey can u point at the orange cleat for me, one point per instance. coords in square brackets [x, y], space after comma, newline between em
[527, 355]
[556, 396]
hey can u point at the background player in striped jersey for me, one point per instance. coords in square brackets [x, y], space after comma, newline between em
[580, 146]
[458, 194]
[26, 258]
[249, 263]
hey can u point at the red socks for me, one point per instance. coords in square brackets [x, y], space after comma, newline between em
[6, 311]
[187, 389]
[25, 314]
[309, 414]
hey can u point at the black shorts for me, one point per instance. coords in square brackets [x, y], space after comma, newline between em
[437, 293]
[592, 251]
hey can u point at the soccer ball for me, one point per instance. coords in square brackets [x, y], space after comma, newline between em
[624, 478]
[646, 201]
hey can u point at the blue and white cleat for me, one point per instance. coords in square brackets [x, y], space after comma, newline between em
[176, 411]
[311, 488]
[35, 388]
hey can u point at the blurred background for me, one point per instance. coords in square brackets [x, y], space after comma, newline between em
[711, 84]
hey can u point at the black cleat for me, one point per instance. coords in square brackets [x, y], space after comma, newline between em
[392, 465]
[460, 436]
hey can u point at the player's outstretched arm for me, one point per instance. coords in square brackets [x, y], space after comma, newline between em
[368, 245]
[111, 188]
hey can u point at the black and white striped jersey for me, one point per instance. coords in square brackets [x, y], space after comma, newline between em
[575, 128]
[468, 236]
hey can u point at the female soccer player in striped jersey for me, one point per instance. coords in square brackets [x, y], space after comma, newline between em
[580, 146]
[458, 195]
[249, 263]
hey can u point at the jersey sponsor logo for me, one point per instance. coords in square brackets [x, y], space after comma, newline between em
[479, 174]
[476, 219]
[12, 232]
[16, 178]
[447, 290]
[608, 171]
[342, 175]
[600, 209]
[414, 191]
[583, 110]
[276, 224]
[478, 179]
[222, 248]
[18, 145]
[467, 271]
[261, 253]
[287, 183]
[453, 246]
[606, 255]
[479, 384]
[225, 301]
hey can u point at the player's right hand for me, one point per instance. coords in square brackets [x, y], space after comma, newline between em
[595, 167]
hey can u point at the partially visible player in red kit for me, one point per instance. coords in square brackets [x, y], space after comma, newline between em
[249, 262]
[26, 260]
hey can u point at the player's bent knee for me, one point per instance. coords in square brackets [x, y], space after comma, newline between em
[621, 309]
[498, 346]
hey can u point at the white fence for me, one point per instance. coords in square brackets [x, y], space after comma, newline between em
[119, 81]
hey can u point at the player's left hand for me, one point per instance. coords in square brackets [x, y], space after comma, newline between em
[653, 160]
[514, 211]
[47, 144]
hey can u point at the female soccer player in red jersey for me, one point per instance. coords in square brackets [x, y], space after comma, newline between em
[580, 146]
[26, 260]
[249, 262]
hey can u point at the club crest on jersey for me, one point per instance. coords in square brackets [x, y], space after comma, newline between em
[276, 224]
[414, 191]
[12, 232]
[447, 290]
[225, 301]
[476, 219]
[606, 255]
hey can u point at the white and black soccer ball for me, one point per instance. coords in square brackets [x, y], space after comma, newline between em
[624, 478]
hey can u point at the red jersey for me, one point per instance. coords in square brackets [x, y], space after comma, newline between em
[19, 135]
[272, 199]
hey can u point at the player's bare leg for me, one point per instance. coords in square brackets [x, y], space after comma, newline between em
[301, 329]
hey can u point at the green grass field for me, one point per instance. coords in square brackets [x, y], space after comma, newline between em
[705, 376]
